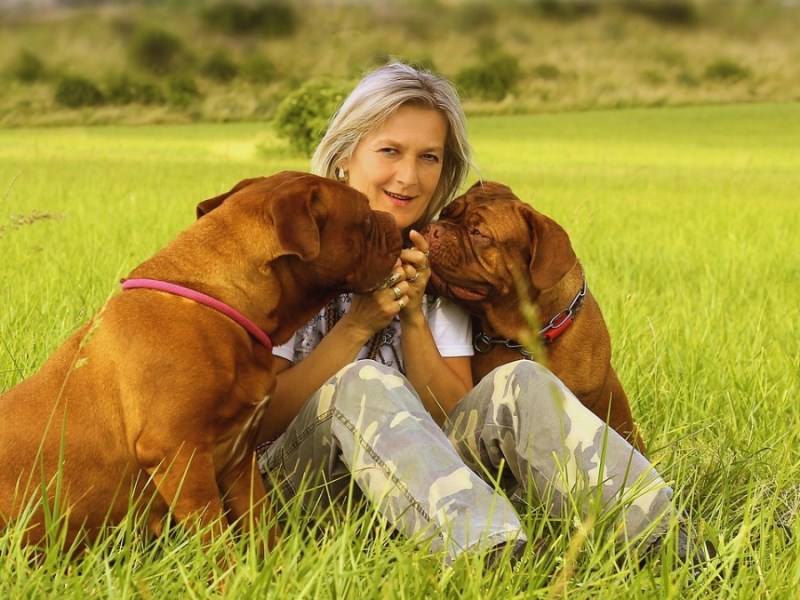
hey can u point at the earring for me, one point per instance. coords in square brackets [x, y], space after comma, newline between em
[341, 174]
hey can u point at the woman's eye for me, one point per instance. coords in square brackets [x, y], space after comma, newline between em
[389, 151]
[430, 158]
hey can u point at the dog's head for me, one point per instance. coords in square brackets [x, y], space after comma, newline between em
[324, 231]
[488, 243]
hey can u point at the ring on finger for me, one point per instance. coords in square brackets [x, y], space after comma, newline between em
[414, 278]
[397, 292]
[401, 303]
[391, 280]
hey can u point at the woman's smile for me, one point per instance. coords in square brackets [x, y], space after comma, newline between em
[398, 199]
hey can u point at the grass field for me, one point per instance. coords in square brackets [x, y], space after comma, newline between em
[687, 223]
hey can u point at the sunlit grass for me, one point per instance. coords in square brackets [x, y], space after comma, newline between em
[686, 221]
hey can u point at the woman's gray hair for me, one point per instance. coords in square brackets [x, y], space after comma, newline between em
[376, 97]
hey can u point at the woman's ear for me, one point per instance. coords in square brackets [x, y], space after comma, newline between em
[341, 173]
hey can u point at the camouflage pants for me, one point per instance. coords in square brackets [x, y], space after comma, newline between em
[367, 423]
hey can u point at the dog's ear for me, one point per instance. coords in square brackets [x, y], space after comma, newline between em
[296, 222]
[206, 206]
[475, 185]
[552, 255]
[491, 190]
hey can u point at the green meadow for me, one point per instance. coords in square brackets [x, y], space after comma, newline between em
[686, 221]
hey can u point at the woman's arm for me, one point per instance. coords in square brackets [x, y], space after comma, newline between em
[368, 313]
[296, 382]
[440, 382]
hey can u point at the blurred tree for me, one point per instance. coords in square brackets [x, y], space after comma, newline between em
[75, 91]
[157, 51]
[28, 67]
[272, 18]
[302, 117]
[491, 79]
[220, 67]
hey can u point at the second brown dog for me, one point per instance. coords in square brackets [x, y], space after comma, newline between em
[492, 253]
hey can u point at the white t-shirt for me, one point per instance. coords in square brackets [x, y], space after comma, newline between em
[450, 325]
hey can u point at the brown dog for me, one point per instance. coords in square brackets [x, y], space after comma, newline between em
[156, 400]
[490, 252]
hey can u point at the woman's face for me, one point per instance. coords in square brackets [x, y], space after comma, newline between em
[399, 164]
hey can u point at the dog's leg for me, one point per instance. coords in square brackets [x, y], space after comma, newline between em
[620, 416]
[187, 483]
[247, 502]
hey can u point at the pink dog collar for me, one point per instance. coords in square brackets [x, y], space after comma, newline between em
[200, 298]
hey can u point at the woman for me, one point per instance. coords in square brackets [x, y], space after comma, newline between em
[405, 421]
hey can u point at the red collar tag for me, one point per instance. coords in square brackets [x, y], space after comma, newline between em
[561, 322]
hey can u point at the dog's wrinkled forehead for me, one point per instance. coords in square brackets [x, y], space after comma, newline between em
[483, 191]
[481, 195]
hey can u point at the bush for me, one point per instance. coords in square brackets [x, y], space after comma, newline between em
[475, 14]
[125, 90]
[665, 12]
[653, 77]
[492, 79]
[687, 78]
[28, 67]
[725, 69]
[270, 18]
[182, 90]
[74, 91]
[157, 51]
[488, 45]
[546, 71]
[302, 117]
[566, 10]
[257, 68]
[220, 67]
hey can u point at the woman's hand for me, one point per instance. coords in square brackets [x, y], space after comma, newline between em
[373, 311]
[401, 295]
[416, 272]
[440, 382]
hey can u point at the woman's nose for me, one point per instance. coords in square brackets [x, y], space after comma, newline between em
[407, 171]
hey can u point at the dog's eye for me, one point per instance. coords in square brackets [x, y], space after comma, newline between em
[477, 236]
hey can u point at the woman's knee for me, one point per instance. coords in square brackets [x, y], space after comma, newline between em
[528, 391]
[370, 385]
[510, 379]
[524, 369]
